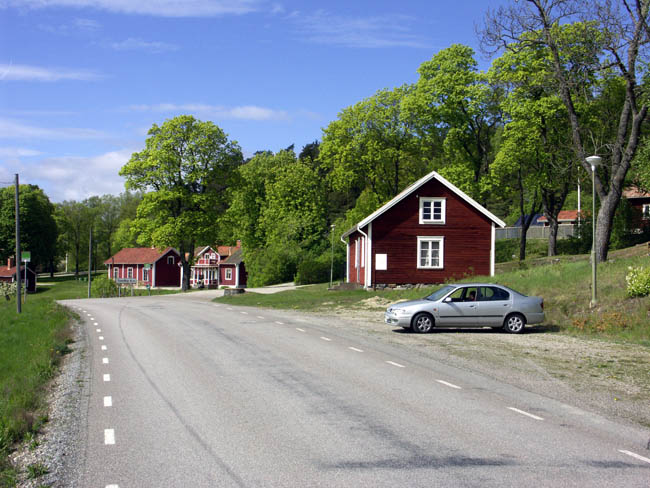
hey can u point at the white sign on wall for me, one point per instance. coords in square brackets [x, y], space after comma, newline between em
[381, 262]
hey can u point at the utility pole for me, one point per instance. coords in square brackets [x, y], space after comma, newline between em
[90, 258]
[18, 277]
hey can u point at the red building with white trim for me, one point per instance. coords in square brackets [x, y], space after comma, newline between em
[429, 233]
[131, 263]
[232, 271]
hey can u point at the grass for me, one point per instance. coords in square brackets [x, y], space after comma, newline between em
[565, 285]
[31, 346]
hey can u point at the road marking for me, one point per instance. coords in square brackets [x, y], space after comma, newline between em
[104, 348]
[228, 308]
[301, 330]
[112, 486]
[396, 364]
[450, 385]
[87, 314]
[95, 323]
[260, 317]
[104, 360]
[326, 339]
[279, 323]
[355, 349]
[107, 377]
[98, 330]
[108, 401]
[109, 436]
[525, 413]
[635, 455]
[101, 338]
[245, 313]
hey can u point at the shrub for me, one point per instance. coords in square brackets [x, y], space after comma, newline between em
[103, 286]
[312, 270]
[638, 281]
[7, 290]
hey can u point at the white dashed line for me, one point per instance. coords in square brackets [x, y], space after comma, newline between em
[104, 348]
[396, 364]
[98, 330]
[326, 339]
[88, 314]
[228, 308]
[450, 385]
[635, 455]
[279, 323]
[95, 323]
[101, 338]
[525, 413]
[108, 401]
[260, 317]
[244, 313]
[107, 377]
[112, 486]
[355, 349]
[301, 330]
[109, 437]
[104, 360]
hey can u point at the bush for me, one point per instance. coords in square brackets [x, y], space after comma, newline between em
[638, 282]
[312, 270]
[103, 286]
[7, 290]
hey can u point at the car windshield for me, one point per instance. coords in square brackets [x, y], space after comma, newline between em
[437, 295]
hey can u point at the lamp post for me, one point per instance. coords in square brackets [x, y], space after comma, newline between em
[593, 161]
[332, 256]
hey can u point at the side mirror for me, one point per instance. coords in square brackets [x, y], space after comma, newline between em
[447, 300]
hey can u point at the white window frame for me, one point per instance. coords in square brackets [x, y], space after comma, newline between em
[645, 211]
[129, 272]
[116, 273]
[228, 276]
[432, 200]
[145, 274]
[170, 259]
[363, 253]
[441, 252]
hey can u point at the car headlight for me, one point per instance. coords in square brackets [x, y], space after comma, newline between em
[402, 311]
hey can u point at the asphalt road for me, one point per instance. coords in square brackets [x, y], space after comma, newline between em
[186, 393]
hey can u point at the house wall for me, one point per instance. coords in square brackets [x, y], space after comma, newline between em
[168, 274]
[638, 221]
[243, 274]
[466, 233]
[222, 275]
[357, 268]
[138, 272]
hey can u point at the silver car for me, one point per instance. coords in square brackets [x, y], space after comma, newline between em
[468, 305]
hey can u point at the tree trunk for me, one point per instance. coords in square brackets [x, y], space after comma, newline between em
[552, 237]
[186, 275]
[604, 224]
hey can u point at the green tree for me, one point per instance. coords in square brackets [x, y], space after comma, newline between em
[186, 167]
[38, 230]
[73, 220]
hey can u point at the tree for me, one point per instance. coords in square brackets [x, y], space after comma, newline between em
[455, 111]
[616, 55]
[38, 230]
[186, 167]
[73, 219]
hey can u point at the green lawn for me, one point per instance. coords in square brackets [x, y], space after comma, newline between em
[565, 287]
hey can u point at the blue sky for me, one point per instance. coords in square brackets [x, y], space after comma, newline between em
[81, 81]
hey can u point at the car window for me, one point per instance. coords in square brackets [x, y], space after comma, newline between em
[492, 293]
[457, 296]
[437, 295]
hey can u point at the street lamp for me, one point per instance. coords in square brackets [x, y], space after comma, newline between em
[593, 161]
[332, 257]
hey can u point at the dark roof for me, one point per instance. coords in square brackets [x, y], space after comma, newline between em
[535, 221]
[234, 258]
[138, 255]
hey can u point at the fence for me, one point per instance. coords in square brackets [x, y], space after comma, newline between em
[535, 232]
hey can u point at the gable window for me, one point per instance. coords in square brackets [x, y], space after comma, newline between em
[432, 210]
[228, 274]
[170, 259]
[430, 252]
[646, 211]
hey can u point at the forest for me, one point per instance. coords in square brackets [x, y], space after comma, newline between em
[568, 79]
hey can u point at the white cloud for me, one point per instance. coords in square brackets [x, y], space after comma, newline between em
[159, 8]
[77, 25]
[245, 112]
[11, 129]
[86, 24]
[22, 72]
[17, 152]
[382, 31]
[77, 178]
[134, 44]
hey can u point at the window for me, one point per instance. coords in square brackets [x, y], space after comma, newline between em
[356, 253]
[646, 211]
[489, 293]
[170, 259]
[228, 274]
[430, 252]
[129, 272]
[116, 273]
[432, 210]
[145, 275]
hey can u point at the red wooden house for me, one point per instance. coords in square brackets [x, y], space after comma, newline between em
[429, 233]
[205, 270]
[146, 265]
[232, 270]
[8, 275]
[639, 200]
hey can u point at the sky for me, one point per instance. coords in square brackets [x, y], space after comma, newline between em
[82, 81]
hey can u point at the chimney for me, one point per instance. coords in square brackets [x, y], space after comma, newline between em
[11, 262]
[238, 243]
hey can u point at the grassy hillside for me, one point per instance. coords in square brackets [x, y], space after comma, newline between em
[564, 283]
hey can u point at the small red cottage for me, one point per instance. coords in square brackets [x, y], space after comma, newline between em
[205, 270]
[130, 262]
[429, 233]
[232, 270]
[639, 200]
[565, 217]
[8, 275]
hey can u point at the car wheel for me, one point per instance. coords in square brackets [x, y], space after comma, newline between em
[514, 323]
[422, 323]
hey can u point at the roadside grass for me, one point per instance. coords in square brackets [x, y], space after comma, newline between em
[31, 346]
[565, 285]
